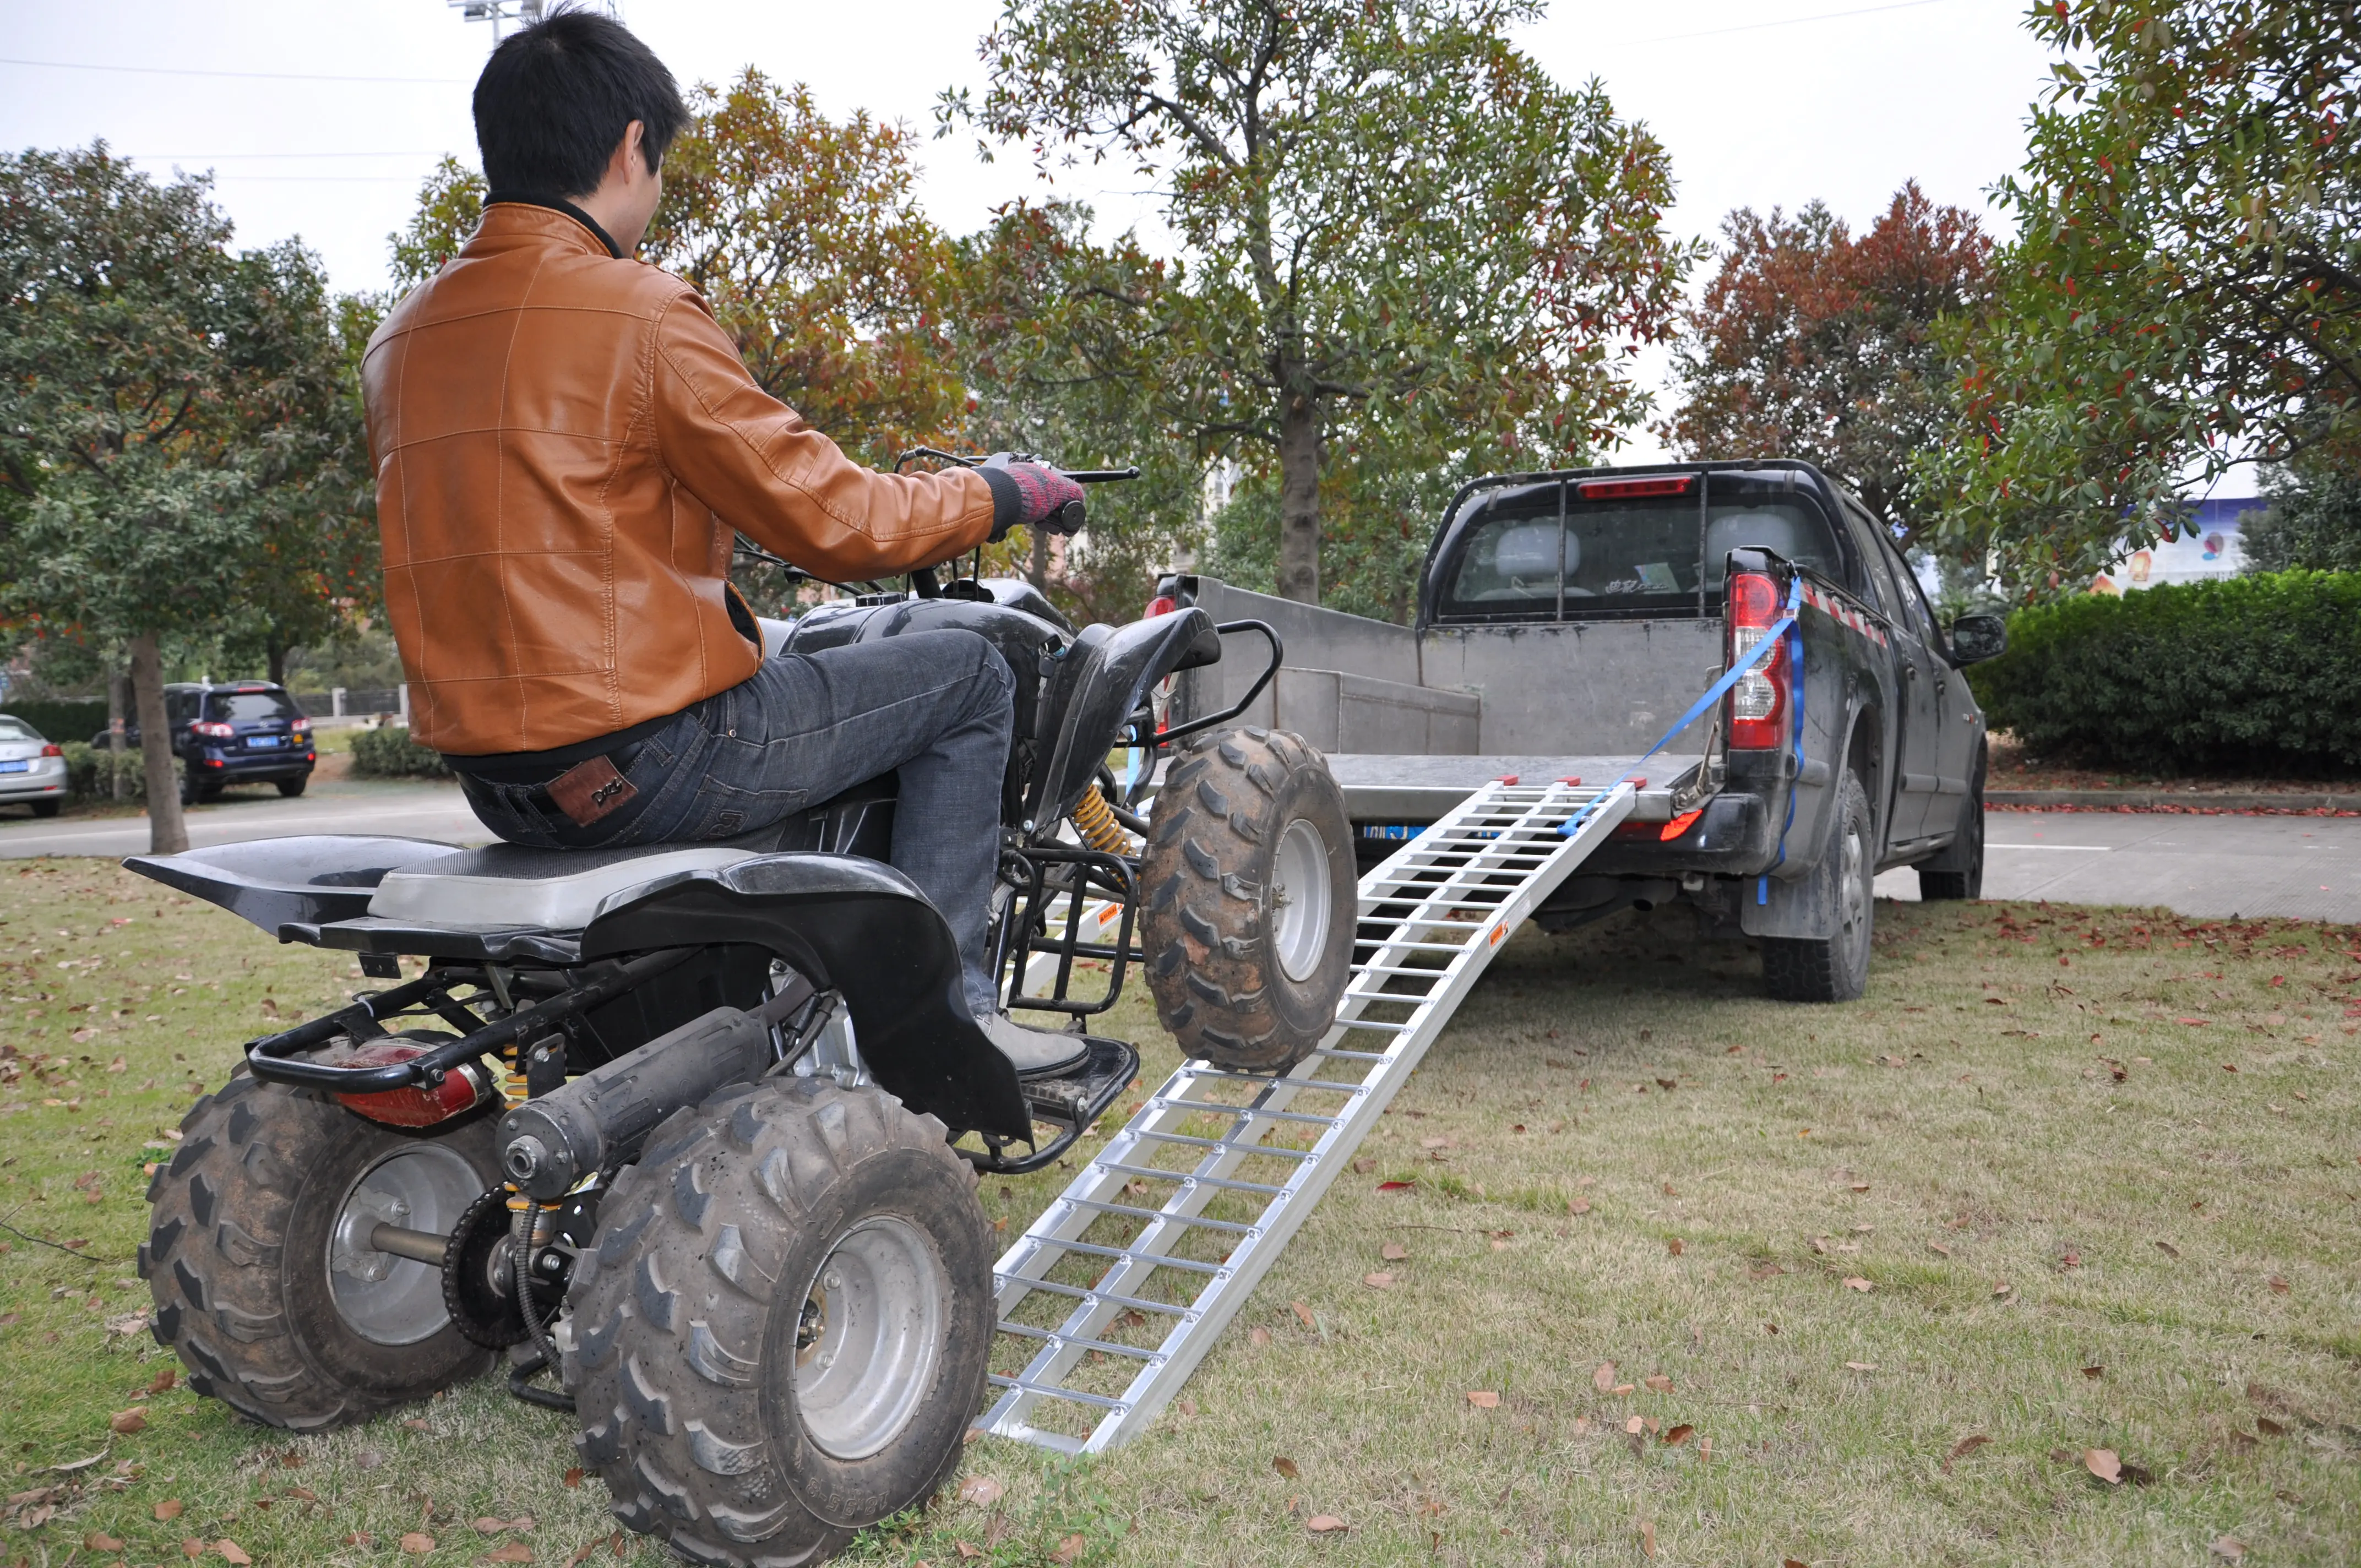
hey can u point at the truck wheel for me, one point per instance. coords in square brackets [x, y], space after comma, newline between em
[1834, 968]
[1251, 899]
[784, 1329]
[258, 1256]
[1958, 869]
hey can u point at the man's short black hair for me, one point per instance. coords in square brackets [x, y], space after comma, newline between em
[555, 98]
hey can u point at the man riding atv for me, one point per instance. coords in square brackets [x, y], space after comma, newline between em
[566, 440]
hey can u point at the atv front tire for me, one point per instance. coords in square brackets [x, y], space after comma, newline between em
[785, 1327]
[1250, 899]
[258, 1259]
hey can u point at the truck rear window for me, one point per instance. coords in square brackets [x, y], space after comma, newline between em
[1627, 556]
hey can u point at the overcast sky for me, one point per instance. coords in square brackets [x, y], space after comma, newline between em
[1762, 102]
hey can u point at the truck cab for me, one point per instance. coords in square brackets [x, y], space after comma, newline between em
[1568, 624]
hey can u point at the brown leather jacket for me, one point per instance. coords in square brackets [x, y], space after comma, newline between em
[564, 442]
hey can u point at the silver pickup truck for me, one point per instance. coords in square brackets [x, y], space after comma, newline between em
[1567, 621]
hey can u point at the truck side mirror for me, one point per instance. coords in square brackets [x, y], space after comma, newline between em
[1975, 638]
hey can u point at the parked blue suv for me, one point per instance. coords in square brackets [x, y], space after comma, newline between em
[242, 733]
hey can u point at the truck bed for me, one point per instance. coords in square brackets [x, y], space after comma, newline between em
[1392, 787]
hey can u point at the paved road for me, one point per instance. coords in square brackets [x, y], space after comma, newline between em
[2307, 868]
[413, 810]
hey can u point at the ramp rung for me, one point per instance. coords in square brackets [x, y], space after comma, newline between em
[1474, 875]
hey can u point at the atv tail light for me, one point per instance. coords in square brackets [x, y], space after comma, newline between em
[213, 730]
[1162, 604]
[461, 1088]
[1758, 703]
[53, 749]
[1628, 489]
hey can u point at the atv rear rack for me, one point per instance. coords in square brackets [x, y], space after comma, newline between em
[1122, 1285]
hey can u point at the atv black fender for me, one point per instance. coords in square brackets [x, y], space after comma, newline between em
[858, 927]
[1098, 682]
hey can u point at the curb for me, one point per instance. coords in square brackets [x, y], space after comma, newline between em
[2168, 800]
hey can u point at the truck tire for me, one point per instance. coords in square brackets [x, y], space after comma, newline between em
[1834, 968]
[785, 1327]
[1957, 871]
[1250, 899]
[263, 1284]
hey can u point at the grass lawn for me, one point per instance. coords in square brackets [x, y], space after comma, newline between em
[2077, 1227]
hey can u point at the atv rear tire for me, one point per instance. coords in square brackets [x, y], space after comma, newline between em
[1250, 899]
[263, 1285]
[784, 1329]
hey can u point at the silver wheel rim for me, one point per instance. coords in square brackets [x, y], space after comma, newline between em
[386, 1300]
[1299, 900]
[870, 1336]
[1856, 889]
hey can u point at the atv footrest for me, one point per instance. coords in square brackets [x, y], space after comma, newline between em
[1070, 1101]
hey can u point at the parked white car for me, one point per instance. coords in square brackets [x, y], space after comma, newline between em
[32, 770]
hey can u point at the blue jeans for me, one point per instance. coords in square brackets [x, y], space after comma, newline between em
[937, 706]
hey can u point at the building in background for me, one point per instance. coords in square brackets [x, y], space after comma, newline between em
[2208, 547]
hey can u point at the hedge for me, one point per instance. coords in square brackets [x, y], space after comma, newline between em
[69, 719]
[390, 753]
[2258, 675]
[86, 777]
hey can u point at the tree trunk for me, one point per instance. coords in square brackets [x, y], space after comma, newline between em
[275, 659]
[1299, 498]
[1038, 567]
[168, 832]
[116, 682]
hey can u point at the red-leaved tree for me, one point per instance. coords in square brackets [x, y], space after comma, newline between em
[1812, 344]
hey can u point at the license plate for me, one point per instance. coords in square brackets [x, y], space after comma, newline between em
[15, 767]
[253, 740]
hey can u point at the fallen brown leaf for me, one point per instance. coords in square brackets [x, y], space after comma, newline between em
[1258, 1336]
[1393, 1252]
[2278, 1286]
[1621, 1389]
[164, 1380]
[1379, 1281]
[574, 1476]
[99, 1540]
[1862, 1365]
[1659, 1382]
[1679, 1434]
[1321, 1524]
[1794, 1562]
[966, 1551]
[415, 1425]
[2094, 1371]
[981, 1490]
[1287, 1467]
[170, 1508]
[1938, 1249]
[511, 1552]
[2103, 1463]
[418, 1543]
[1648, 1537]
[1855, 1282]
[128, 1421]
[1604, 1378]
[232, 1552]
[2230, 1547]
[1577, 1205]
[1484, 1399]
[1303, 1313]
[1961, 1449]
[1071, 1549]
[1634, 1425]
[1770, 1328]
[2168, 1249]
[2001, 1287]
[1674, 1246]
[2269, 1427]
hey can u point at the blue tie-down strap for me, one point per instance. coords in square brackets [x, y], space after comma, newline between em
[1795, 683]
[1714, 694]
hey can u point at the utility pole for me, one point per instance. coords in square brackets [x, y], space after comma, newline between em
[523, 12]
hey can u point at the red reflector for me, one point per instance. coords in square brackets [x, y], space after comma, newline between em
[1753, 600]
[1680, 824]
[463, 1089]
[1162, 604]
[1618, 489]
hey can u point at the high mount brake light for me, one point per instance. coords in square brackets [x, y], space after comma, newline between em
[1758, 703]
[1624, 490]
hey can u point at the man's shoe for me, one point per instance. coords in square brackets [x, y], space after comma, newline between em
[1033, 1051]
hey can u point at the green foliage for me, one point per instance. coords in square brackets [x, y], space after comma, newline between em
[1812, 344]
[60, 720]
[2312, 524]
[1396, 222]
[450, 205]
[2186, 290]
[2252, 674]
[390, 753]
[87, 768]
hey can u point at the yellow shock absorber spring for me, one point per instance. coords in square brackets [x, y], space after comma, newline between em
[1098, 827]
[512, 1083]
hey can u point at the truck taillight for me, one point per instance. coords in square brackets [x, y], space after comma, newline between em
[1758, 703]
[213, 730]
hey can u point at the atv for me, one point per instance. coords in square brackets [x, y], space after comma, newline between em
[696, 1128]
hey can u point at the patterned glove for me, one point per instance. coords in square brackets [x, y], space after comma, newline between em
[1033, 495]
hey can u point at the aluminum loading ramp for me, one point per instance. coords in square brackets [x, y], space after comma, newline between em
[1123, 1284]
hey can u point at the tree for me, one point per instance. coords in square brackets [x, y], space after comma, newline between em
[1393, 217]
[1811, 344]
[2185, 294]
[159, 413]
[2313, 522]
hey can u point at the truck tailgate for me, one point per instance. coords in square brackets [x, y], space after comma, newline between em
[1390, 788]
